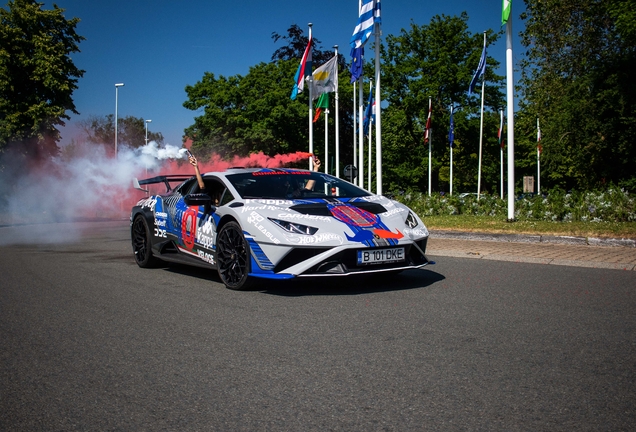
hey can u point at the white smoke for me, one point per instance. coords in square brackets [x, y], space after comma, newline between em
[87, 186]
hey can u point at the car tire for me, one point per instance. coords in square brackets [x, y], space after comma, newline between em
[233, 257]
[140, 236]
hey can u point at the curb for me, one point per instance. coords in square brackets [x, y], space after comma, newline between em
[529, 238]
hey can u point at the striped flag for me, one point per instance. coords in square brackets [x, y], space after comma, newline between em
[505, 11]
[427, 132]
[369, 14]
[322, 104]
[304, 70]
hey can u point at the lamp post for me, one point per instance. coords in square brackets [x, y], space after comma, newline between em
[147, 121]
[116, 117]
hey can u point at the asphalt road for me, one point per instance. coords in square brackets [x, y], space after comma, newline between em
[89, 341]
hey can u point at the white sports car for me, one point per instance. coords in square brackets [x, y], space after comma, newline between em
[267, 223]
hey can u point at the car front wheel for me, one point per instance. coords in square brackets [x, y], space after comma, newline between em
[233, 256]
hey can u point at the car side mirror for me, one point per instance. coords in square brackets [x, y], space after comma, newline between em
[200, 199]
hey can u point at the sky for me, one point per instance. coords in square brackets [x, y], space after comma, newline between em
[157, 48]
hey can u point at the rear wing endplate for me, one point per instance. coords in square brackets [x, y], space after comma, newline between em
[165, 179]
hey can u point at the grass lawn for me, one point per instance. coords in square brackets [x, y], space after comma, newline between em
[487, 224]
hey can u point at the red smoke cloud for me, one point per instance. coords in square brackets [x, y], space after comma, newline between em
[255, 160]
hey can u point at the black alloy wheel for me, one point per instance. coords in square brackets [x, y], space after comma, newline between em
[233, 256]
[140, 235]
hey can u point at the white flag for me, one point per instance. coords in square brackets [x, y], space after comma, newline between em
[326, 78]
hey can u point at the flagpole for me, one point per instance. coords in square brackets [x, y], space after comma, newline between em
[378, 114]
[481, 127]
[501, 154]
[429, 133]
[370, 139]
[337, 168]
[360, 135]
[354, 179]
[326, 141]
[538, 158]
[511, 121]
[451, 157]
[311, 122]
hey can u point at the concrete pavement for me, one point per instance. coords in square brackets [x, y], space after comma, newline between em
[617, 254]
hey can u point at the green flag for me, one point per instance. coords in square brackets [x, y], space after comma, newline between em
[323, 103]
[505, 11]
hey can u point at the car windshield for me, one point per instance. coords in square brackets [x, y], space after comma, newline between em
[292, 184]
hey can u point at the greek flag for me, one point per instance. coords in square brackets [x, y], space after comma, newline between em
[369, 14]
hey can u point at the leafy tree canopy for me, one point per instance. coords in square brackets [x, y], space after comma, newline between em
[577, 78]
[37, 75]
[131, 131]
[437, 61]
[254, 113]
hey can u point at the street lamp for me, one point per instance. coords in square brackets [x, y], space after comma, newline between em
[147, 121]
[116, 96]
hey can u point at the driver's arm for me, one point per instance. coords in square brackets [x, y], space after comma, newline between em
[310, 183]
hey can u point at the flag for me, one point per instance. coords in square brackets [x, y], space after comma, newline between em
[427, 132]
[369, 14]
[481, 69]
[505, 11]
[326, 78]
[323, 103]
[539, 146]
[451, 132]
[304, 70]
[356, 63]
[369, 113]
[500, 134]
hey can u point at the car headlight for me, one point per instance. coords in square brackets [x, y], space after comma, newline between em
[293, 227]
[411, 220]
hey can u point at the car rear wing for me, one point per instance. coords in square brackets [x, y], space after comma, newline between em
[165, 179]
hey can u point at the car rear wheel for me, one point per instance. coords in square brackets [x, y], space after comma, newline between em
[233, 256]
[141, 243]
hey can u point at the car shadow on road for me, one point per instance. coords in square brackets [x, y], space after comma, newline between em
[351, 285]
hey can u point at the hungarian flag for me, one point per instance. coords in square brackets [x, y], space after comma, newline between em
[304, 70]
[427, 132]
[322, 104]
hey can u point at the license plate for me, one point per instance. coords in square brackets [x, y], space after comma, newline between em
[380, 256]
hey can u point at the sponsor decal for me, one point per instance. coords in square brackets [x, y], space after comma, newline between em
[262, 207]
[161, 214]
[149, 202]
[276, 202]
[206, 233]
[393, 212]
[299, 216]
[160, 233]
[416, 232]
[160, 222]
[315, 239]
[189, 227]
[256, 220]
[207, 257]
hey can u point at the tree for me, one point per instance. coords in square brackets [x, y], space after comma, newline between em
[254, 113]
[37, 76]
[131, 131]
[577, 78]
[438, 60]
